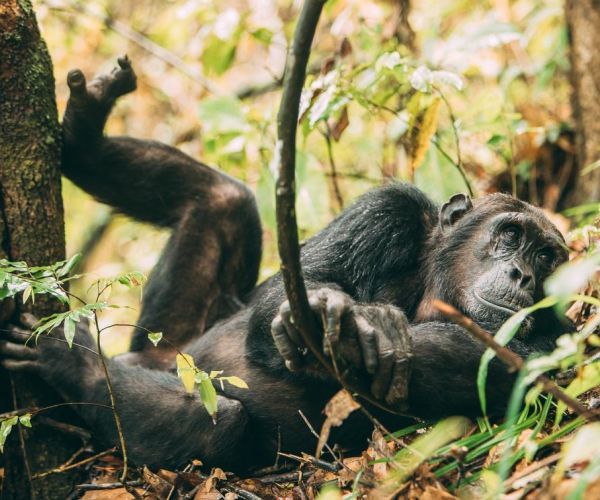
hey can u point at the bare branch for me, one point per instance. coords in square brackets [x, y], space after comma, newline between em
[511, 359]
[287, 228]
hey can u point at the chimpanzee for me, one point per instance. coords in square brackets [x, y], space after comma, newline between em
[372, 275]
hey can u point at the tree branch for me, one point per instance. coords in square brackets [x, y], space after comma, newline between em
[512, 359]
[287, 228]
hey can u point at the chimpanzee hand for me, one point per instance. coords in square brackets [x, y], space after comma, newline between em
[373, 338]
[49, 355]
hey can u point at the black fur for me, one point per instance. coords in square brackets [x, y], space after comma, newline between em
[388, 249]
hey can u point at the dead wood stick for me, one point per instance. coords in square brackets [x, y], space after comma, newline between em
[512, 359]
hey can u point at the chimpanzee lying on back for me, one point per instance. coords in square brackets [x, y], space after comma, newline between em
[372, 274]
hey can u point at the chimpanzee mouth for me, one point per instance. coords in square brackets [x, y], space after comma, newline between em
[507, 308]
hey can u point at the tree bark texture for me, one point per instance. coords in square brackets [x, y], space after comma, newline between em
[31, 229]
[583, 19]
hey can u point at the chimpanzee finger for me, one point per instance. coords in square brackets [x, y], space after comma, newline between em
[285, 346]
[7, 309]
[398, 391]
[288, 321]
[17, 351]
[28, 320]
[15, 334]
[334, 307]
[368, 343]
[383, 375]
[19, 366]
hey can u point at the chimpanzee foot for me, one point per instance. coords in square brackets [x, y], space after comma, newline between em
[104, 89]
[373, 338]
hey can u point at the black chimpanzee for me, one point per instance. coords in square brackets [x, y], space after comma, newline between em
[372, 274]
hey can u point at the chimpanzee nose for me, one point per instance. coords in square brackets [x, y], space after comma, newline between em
[524, 279]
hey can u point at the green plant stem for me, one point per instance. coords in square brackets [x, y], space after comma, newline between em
[113, 401]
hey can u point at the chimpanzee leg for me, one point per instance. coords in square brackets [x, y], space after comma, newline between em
[162, 424]
[211, 261]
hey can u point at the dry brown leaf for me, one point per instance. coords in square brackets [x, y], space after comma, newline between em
[157, 483]
[337, 410]
[436, 493]
[427, 124]
[116, 494]
[341, 124]
[213, 495]
[345, 48]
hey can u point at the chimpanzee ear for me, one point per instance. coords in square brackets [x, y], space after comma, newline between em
[451, 211]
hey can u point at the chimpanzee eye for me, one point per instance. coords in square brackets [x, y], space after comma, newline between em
[546, 257]
[511, 234]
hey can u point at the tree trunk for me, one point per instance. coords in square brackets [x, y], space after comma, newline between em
[31, 229]
[583, 19]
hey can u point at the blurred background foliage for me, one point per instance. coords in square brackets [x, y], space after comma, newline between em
[434, 95]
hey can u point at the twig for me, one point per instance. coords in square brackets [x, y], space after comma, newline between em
[67, 466]
[316, 434]
[242, 493]
[535, 466]
[317, 462]
[34, 411]
[285, 196]
[287, 227]
[108, 486]
[511, 359]
[334, 175]
[66, 428]
[286, 477]
[21, 437]
[113, 401]
[459, 163]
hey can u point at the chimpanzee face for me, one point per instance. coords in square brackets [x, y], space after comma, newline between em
[498, 252]
[514, 255]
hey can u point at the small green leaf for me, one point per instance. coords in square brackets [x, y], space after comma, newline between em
[25, 420]
[5, 427]
[215, 373]
[186, 371]
[69, 330]
[208, 395]
[155, 337]
[236, 382]
[27, 293]
[263, 35]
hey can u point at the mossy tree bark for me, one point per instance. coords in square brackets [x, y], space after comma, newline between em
[31, 229]
[583, 19]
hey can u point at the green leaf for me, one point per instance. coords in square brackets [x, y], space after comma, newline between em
[64, 267]
[218, 55]
[69, 330]
[155, 337]
[25, 420]
[5, 427]
[132, 279]
[236, 382]
[208, 395]
[186, 371]
[263, 35]
[572, 276]
[220, 115]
